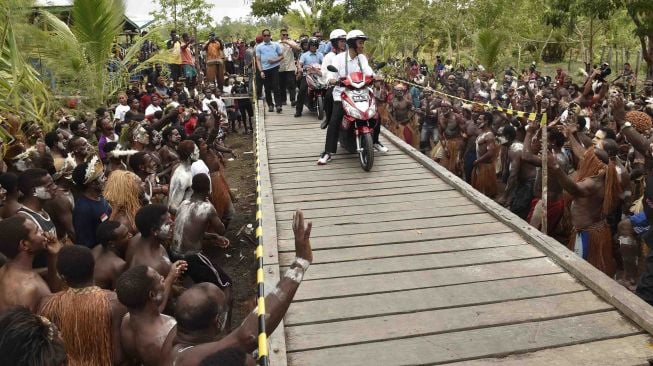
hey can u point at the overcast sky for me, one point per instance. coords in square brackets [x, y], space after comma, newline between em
[140, 9]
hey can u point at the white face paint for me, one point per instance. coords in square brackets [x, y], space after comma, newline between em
[42, 193]
[195, 156]
[164, 230]
[21, 165]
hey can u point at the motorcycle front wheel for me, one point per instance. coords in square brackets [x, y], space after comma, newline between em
[366, 155]
[320, 107]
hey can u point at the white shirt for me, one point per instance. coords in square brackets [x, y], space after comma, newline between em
[228, 52]
[343, 62]
[326, 74]
[151, 109]
[121, 110]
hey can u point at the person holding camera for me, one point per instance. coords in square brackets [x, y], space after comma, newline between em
[188, 61]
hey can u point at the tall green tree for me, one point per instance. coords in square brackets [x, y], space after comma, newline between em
[184, 14]
[641, 12]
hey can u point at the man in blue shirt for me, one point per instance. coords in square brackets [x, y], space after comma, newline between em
[268, 58]
[91, 209]
[312, 57]
[324, 47]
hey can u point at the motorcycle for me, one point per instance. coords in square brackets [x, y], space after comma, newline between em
[360, 116]
[316, 90]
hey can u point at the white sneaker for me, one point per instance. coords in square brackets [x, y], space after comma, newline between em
[324, 158]
[379, 147]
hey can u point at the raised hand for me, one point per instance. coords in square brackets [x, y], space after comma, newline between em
[176, 270]
[302, 236]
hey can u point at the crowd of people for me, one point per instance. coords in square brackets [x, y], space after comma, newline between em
[106, 219]
[106, 222]
[487, 130]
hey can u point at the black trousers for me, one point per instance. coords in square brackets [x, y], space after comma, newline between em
[333, 130]
[259, 85]
[200, 269]
[328, 103]
[301, 95]
[246, 112]
[287, 85]
[271, 83]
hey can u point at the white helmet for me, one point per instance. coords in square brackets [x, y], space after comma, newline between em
[356, 34]
[337, 34]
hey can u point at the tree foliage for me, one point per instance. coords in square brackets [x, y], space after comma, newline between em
[184, 14]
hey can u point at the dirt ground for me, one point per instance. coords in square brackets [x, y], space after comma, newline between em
[239, 259]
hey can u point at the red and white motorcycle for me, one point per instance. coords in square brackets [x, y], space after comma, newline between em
[360, 116]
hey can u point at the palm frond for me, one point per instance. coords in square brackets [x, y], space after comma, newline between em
[488, 48]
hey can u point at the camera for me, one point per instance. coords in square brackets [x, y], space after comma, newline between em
[605, 71]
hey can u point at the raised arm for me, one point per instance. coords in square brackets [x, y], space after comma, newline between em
[276, 303]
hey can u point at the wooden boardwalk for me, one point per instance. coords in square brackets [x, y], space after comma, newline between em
[413, 267]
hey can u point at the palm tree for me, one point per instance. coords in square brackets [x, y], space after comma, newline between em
[488, 48]
[21, 90]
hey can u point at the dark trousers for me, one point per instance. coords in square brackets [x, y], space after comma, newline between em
[200, 269]
[328, 103]
[333, 130]
[288, 85]
[246, 113]
[301, 95]
[259, 85]
[271, 83]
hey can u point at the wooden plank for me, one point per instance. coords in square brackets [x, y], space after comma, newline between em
[379, 227]
[277, 340]
[381, 167]
[447, 347]
[430, 196]
[630, 351]
[403, 236]
[353, 172]
[335, 184]
[407, 249]
[625, 301]
[415, 213]
[313, 336]
[409, 301]
[371, 284]
[415, 202]
[371, 193]
[390, 159]
[341, 155]
[420, 262]
[351, 187]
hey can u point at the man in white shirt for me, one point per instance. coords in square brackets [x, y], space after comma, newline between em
[347, 62]
[338, 39]
[154, 107]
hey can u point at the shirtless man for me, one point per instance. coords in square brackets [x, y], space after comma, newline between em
[145, 165]
[155, 226]
[144, 329]
[450, 125]
[595, 191]
[400, 116]
[20, 285]
[168, 152]
[470, 132]
[429, 131]
[201, 310]
[109, 263]
[521, 176]
[80, 149]
[61, 206]
[182, 178]
[484, 177]
[555, 200]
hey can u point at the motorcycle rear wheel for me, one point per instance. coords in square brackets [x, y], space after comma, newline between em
[366, 155]
[320, 107]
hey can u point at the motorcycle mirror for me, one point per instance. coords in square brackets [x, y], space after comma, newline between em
[332, 68]
[380, 65]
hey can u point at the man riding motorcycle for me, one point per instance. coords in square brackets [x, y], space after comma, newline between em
[347, 63]
[310, 59]
[338, 38]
